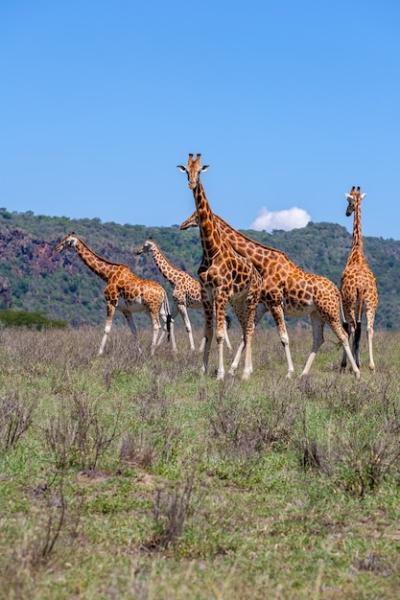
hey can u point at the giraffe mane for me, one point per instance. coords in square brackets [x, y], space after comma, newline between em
[109, 262]
[263, 246]
[165, 258]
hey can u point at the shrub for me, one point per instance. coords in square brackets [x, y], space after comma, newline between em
[32, 320]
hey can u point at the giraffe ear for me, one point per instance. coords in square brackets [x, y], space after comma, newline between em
[204, 168]
[363, 196]
[181, 168]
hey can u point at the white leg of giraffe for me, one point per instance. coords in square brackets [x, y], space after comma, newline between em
[202, 344]
[208, 329]
[172, 335]
[156, 330]
[107, 328]
[220, 310]
[318, 339]
[370, 335]
[279, 318]
[350, 356]
[132, 327]
[184, 314]
[236, 360]
[260, 312]
[226, 337]
[342, 335]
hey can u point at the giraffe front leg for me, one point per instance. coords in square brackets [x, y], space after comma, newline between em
[221, 302]
[110, 314]
[226, 336]
[208, 328]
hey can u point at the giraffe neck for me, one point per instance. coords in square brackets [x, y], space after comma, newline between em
[168, 270]
[241, 243]
[357, 247]
[209, 233]
[98, 265]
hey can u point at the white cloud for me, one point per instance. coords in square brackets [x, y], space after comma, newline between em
[292, 218]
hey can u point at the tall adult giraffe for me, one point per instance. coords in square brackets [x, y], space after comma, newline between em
[126, 292]
[225, 276]
[186, 289]
[359, 289]
[286, 288]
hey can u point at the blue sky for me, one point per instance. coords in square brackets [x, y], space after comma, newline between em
[291, 103]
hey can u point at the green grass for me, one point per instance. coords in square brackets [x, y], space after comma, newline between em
[166, 484]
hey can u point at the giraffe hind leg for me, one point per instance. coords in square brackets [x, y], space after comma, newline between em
[260, 312]
[370, 335]
[356, 343]
[343, 364]
[132, 327]
[318, 339]
[344, 339]
[185, 317]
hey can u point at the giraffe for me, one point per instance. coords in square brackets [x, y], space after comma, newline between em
[225, 276]
[359, 289]
[186, 289]
[286, 288]
[126, 292]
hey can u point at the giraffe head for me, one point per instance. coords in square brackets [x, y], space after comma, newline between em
[354, 199]
[146, 248]
[70, 241]
[193, 169]
[191, 221]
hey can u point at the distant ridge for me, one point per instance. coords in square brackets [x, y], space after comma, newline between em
[34, 277]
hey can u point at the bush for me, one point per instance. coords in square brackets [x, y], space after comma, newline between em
[32, 320]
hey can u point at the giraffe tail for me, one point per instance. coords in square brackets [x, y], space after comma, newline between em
[168, 316]
[228, 321]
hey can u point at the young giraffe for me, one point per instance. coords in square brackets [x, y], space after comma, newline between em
[286, 288]
[186, 292]
[359, 290]
[225, 276]
[126, 292]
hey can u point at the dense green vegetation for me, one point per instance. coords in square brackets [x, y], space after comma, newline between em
[128, 477]
[33, 277]
[32, 320]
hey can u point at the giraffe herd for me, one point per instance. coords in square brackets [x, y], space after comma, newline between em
[251, 277]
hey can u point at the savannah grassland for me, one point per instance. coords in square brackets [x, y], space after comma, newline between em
[130, 477]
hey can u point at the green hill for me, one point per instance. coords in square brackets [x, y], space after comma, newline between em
[34, 277]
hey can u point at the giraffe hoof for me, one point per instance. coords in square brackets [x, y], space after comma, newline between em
[372, 368]
[232, 372]
[246, 375]
[220, 375]
[289, 374]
